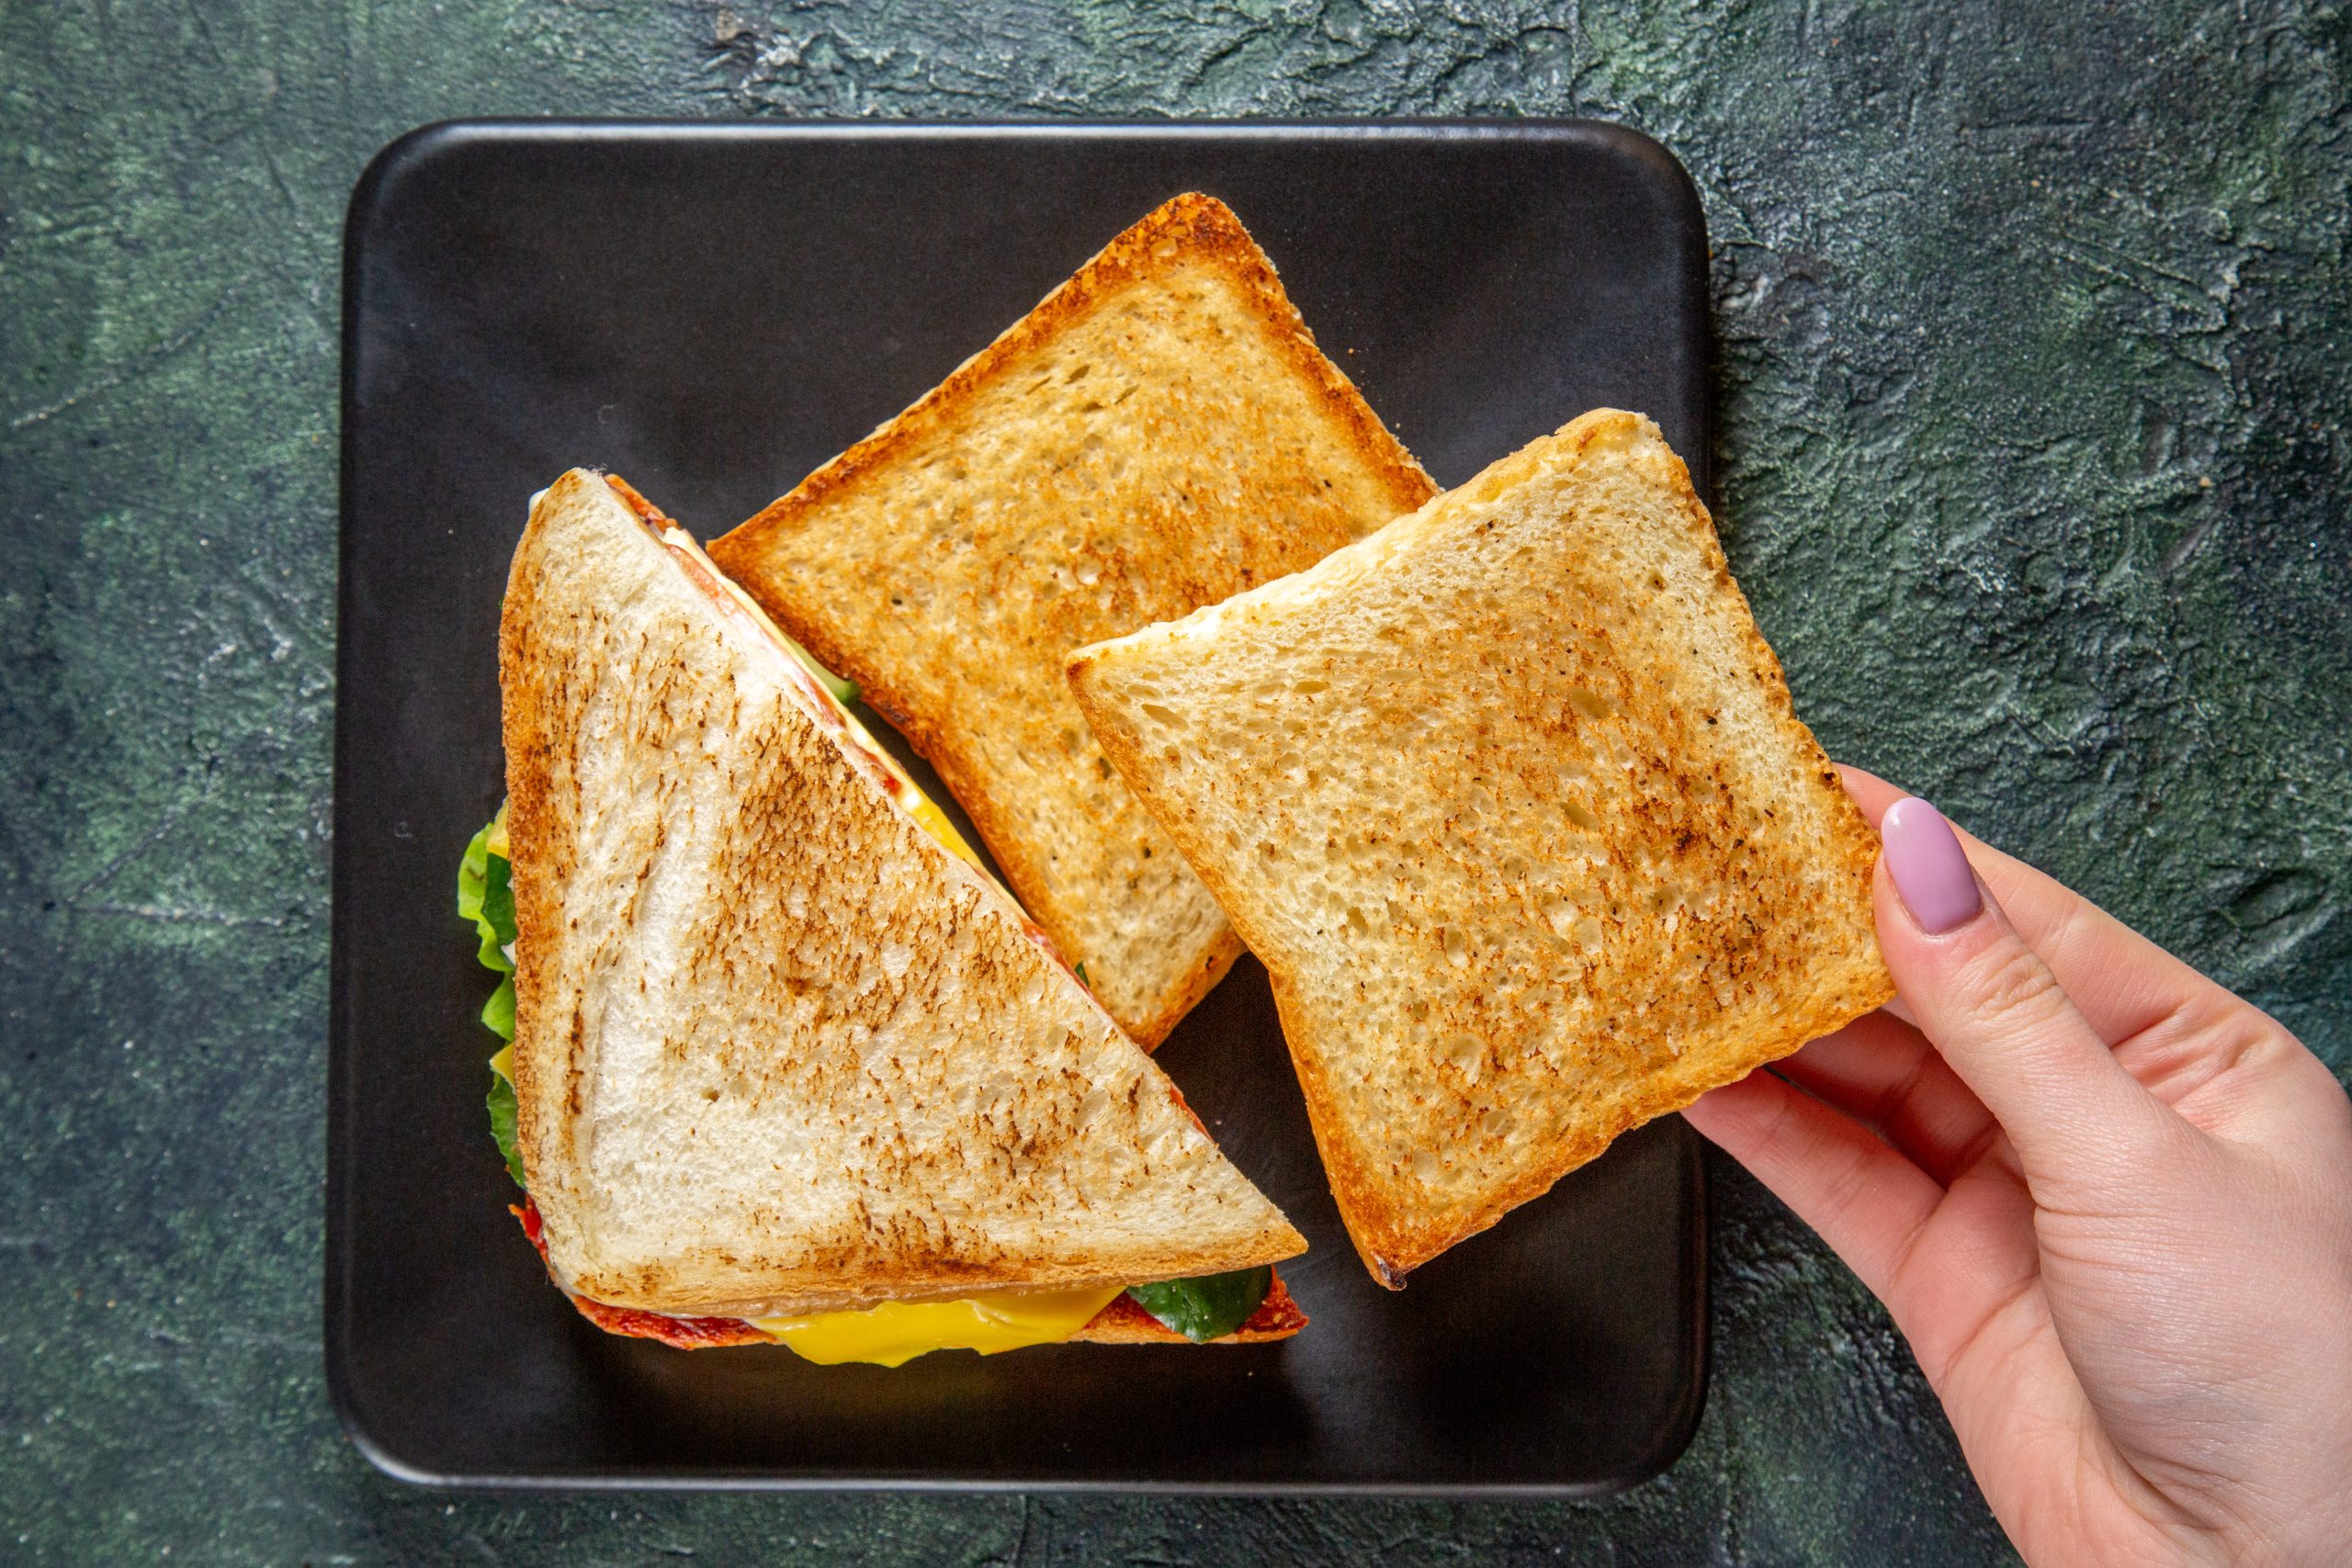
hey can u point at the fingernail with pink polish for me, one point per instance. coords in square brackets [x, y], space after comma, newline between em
[1923, 856]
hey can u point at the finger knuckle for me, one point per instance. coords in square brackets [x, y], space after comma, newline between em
[2010, 980]
[1846, 1185]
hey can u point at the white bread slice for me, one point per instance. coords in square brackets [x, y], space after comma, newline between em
[776, 1050]
[1158, 435]
[1510, 800]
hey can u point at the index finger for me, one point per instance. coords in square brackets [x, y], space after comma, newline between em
[2119, 981]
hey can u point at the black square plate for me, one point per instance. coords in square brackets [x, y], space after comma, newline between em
[713, 311]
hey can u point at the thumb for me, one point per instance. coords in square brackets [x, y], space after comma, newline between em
[1990, 1005]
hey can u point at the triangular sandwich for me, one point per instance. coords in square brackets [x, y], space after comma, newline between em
[783, 1061]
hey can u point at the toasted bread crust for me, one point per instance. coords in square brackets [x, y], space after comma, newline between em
[1700, 810]
[810, 557]
[1203, 229]
[777, 1050]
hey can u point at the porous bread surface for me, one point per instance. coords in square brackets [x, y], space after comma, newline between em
[1159, 433]
[1510, 800]
[776, 1050]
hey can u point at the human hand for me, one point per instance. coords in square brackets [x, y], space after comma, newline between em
[2109, 1203]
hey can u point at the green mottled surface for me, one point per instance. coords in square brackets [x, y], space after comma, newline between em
[2034, 374]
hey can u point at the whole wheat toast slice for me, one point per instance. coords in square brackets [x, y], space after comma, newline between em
[1510, 800]
[1160, 433]
[777, 1050]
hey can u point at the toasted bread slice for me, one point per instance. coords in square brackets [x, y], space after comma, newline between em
[777, 1050]
[1510, 800]
[1159, 433]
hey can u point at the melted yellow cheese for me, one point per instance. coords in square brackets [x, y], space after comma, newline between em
[928, 818]
[896, 1332]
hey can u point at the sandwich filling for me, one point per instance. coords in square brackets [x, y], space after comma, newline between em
[1213, 1307]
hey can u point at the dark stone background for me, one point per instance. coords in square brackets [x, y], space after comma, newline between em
[2033, 388]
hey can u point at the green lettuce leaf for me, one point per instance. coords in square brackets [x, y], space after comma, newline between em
[499, 1011]
[502, 1125]
[1209, 1307]
[498, 900]
[486, 897]
[470, 872]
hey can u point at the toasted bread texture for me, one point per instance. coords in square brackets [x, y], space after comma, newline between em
[1510, 800]
[777, 1051]
[1159, 433]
